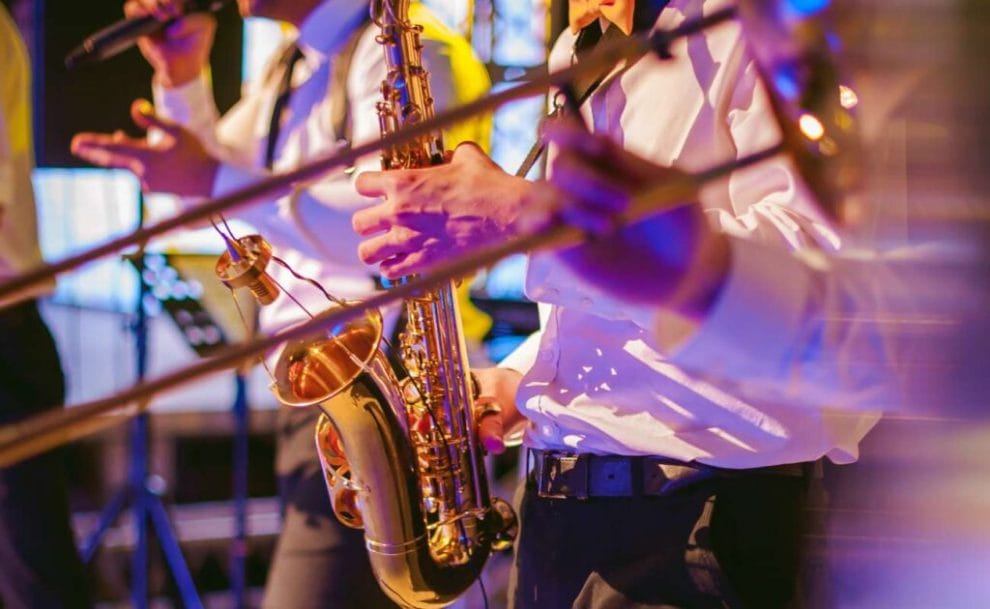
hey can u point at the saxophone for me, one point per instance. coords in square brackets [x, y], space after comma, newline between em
[400, 457]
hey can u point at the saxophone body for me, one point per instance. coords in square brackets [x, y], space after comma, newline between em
[400, 456]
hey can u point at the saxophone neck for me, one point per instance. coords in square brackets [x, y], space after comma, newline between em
[406, 97]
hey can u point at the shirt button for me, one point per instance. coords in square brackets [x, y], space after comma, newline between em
[546, 356]
[548, 430]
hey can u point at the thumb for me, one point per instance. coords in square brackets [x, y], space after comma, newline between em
[143, 114]
[490, 426]
[468, 151]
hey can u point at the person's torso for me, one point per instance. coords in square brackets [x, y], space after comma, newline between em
[599, 383]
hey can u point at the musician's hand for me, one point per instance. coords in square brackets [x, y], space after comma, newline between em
[177, 163]
[433, 213]
[496, 406]
[181, 51]
[672, 258]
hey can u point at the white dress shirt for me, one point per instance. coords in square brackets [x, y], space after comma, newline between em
[310, 228]
[19, 250]
[766, 378]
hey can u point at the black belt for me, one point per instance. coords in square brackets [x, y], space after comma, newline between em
[560, 475]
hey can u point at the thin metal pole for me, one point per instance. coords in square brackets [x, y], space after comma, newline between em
[238, 548]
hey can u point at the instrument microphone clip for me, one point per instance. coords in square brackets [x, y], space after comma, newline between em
[244, 264]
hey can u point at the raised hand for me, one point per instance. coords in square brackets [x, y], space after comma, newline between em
[180, 52]
[176, 162]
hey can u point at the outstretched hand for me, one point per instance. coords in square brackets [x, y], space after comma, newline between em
[175, 163]
[670, 258]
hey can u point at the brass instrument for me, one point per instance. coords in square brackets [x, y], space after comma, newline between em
[400, 456]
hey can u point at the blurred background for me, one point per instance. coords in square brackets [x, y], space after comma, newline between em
[906, 527]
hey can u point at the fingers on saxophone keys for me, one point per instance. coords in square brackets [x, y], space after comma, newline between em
[399, 240]
[488, 415]
[374, 219]
[372, 183]
[408, 264]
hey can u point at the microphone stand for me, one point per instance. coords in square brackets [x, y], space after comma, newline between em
[143, 491]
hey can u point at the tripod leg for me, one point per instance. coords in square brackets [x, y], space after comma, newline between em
[238, 553]
[107, 518]
[172, 551]
[139, 557]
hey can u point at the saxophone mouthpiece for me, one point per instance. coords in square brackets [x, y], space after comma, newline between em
[243, 266]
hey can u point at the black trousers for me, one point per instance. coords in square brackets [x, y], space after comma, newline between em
[318, 562]
[39, 564]
[725, 543]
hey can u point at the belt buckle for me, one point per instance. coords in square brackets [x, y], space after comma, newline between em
[561, 475]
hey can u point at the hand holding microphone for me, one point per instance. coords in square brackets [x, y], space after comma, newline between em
[175, 36]
[180, 50]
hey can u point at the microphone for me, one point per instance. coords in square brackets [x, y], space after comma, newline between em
[122, 35]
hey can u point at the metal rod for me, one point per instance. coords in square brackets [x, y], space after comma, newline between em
[50, 429]
[603, 56]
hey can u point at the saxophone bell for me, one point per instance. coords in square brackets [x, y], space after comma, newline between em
[388, 467]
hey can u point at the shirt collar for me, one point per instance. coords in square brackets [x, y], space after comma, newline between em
[327, 28]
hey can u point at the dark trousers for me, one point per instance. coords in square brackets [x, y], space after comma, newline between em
[318, 562]
[39, 564]
[726, 543]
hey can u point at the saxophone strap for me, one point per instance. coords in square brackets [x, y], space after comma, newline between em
[644, 16]
[578, 92]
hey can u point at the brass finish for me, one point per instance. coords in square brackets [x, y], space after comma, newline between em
[244, 265]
